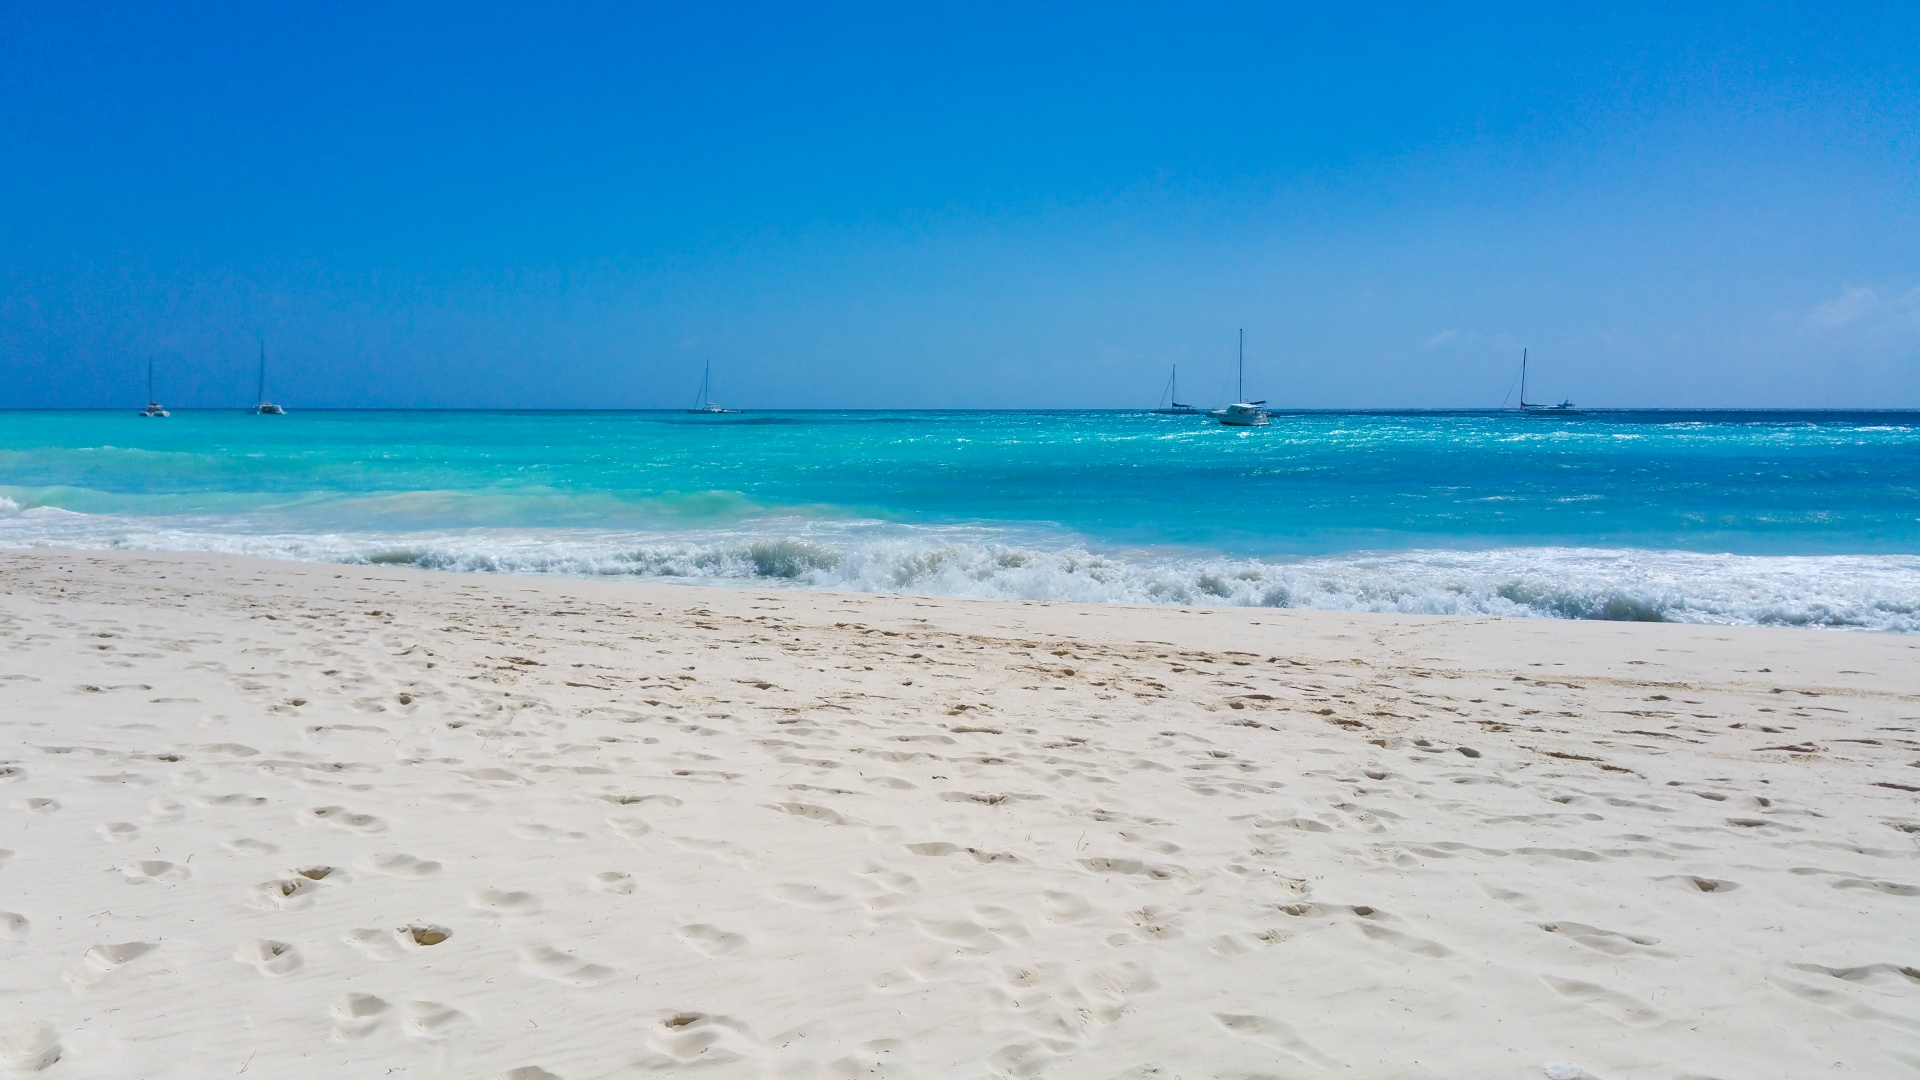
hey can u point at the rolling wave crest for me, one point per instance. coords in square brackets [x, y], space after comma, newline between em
[1876, 592]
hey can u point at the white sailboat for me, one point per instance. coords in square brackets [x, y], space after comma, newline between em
[1170, 400]
[701, 403]
[265, 407]
[1565, 408]
[153, 409]
[1243, 413]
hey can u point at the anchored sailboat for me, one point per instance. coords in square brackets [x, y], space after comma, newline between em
[1243, 413]
[1564, 408]
[265, 407]
[1170, 399]
[153, 409]
[701, 403]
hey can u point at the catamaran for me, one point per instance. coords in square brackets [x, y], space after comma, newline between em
[1170, 399]
[265, 407]
[1564, 408]
[153, 409]
[701, 404]
[1243, 413]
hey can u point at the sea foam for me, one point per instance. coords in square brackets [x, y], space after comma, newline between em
[1875, 592]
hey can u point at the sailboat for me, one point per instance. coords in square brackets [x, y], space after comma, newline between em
[1172, 398]
[1243, 413]
[1565, 408]
[701, 403]
[153, 409]
[265, 407]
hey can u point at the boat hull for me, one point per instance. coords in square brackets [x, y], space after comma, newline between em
[1242, 415]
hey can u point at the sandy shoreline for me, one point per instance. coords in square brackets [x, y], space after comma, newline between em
[605, 828]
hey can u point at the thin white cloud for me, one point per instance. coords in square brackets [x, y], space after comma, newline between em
[1862, 308]
[1440, 339]
[1855, 302]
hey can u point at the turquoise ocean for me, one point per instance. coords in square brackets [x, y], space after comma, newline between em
[1805, 519]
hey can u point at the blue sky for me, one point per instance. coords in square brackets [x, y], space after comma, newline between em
[964, 206]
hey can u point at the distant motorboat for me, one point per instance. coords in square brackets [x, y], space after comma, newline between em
[153, 409]
[701, 404]
[1243, 413]
[1565, 408]
[1170, 399]
[265, 407]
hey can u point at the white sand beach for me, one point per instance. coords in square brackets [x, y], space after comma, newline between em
[298, 820]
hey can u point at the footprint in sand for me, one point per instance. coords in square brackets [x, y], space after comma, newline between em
[548, 833]
[430, 1021]
[356, 1015]
[503, 902]
[420, 935]
[968, 935]
[1130, 866]
[724, 850]
[1611, 942]
[119, 831]
[28, 1047]
[401, 865]
[164, 811]
[1691, 883]
[341, 817]
[36, 806]
[691, 1037]
[709, 940]
[146, 870]
[636, 800]
[1276, 1034]
[1607, 1002]
[549, 963]
[528, 1072]
[630, 827]
[392, 944]
[870, 1061]
[103, 960]
[806, 896]
[1408, 942]
[284, 894]
[13, 927]
[247, 846]
[377, 944]
[1060, 907]
[269, 958]
[810, 812]
[618, 882]
[230, 800]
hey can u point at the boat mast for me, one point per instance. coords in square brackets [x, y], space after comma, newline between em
[1523, 378]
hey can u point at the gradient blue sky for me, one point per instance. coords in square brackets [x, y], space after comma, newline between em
[964, 206]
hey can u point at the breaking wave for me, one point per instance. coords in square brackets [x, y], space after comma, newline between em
[1875, 592]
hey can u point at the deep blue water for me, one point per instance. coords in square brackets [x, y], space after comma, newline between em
[1715, 516]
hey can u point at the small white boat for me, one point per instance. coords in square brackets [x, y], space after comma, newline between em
[153, 411]
[700, 402]
[265, 407]
[1243, 413]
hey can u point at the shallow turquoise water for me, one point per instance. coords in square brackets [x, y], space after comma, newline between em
[1737, 517]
